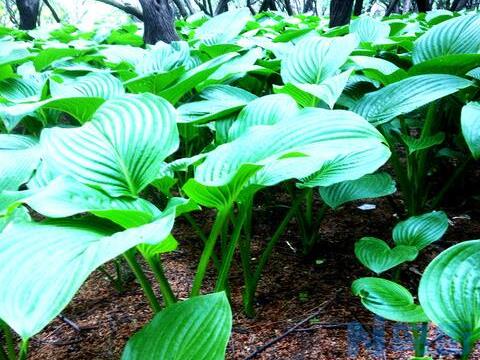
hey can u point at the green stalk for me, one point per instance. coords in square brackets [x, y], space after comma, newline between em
[451, 181]
[22, 355]
[399, 170]
[309, 206]
[420, 339]
[467, 348]
[421, 167]
[199, 232]
[220, 220]
[227, 258]
[252, 287]
[3, 354]
[142, 279]
[9, 342]
[155, 264]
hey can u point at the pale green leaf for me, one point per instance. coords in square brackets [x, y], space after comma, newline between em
[471, 127]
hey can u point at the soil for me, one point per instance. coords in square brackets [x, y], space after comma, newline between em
[291, 290]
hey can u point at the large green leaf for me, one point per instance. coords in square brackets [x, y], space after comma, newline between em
[65, 197]
[44, 264]
[19, 157]
[471, 127]
[420, 231]
[223, 28]
[369, 29]
[193, 77]
[194, 329]
[327, 146]
[315, 59]
[121, 150]
[98, 84]
[407, 95]
[450, 294]
[164, 57]
[368, 186]
[388, 300]
[376, 255]
[218, 101]
[460, 35]
[267, 110]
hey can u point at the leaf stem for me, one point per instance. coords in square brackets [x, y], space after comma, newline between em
[22, 355]
[420, 339]
[9, 342]
[467, 348]
[142, 279]
[252, 287]
[232, 245]
[220, 219]
[155, 264]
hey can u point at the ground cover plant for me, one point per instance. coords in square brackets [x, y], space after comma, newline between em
[106, 143]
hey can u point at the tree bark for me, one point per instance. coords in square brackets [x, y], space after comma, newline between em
[158, 21]
[458, 5]
[407, 5]
[391, 7]
[288, 7]
[52, 10]
[268, 5]
[28, 10]
[222, 7]
[423, 5]
[129, 9]
[340, 12]
[308, 6]
[357, 10]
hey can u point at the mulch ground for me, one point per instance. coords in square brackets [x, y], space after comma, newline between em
[291, 290]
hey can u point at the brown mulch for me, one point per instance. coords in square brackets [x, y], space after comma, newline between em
[292, 289]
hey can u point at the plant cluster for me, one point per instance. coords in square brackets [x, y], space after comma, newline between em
[105, 142]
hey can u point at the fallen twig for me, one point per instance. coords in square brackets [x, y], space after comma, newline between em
[69, 322]
[292, 329]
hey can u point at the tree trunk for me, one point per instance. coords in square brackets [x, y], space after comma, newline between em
[423, 5]
[391, 7]
[407, 5]
[458, 5]
[308, 6]
[340, 12]
[288, 7]
[28, 10]
[268, 5]
[222, 7]
[357, 10]
[158, 21]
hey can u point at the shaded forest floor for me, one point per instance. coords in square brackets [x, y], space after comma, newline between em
[291, 290]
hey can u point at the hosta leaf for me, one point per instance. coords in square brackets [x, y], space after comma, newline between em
[328, 91]
[219, 101]
[388, 300]
[424, 142]
[120, 150]
[460, 35]
[164, 57]
[369, 29]
[19, 157]
[19, 90]
[457, 64]
[420, 231]
[98, 84]
[376, 255]
[193, 77]
[194, 329]
[474, 73]
[367, 62]
[46, 57]
[314, 59]
[471, 127]
[14, 52]
[223, 28]
[333, 145]
[154, 83]
[368, 186]
[407, 95]
[44, 264]
[449, 291]
[267, 110]
[65, 197]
